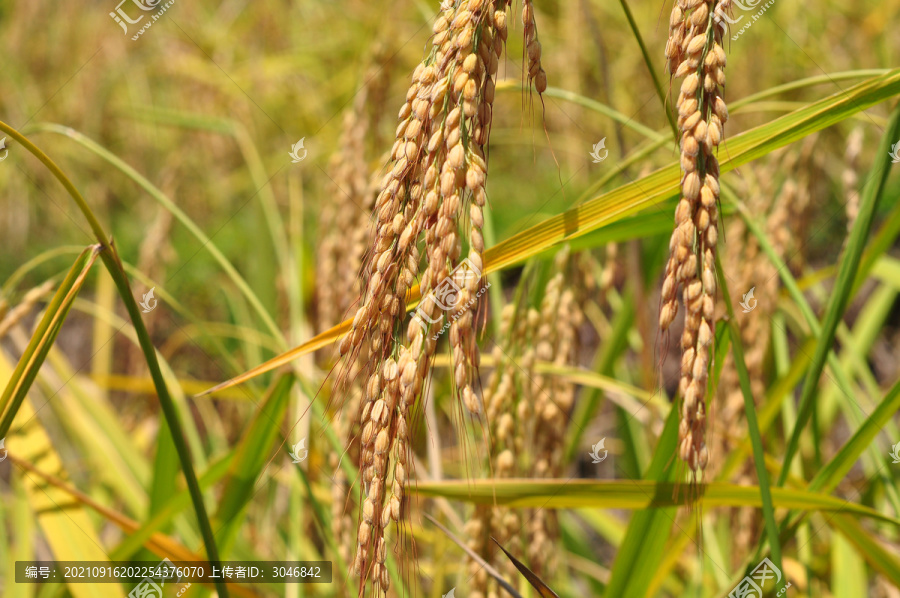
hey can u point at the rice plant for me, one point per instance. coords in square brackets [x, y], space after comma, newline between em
[382, 300]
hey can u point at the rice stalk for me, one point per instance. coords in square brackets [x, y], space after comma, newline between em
[695, 53]
[781, 204]
[528, 412]
[790, 217]
[506, 402]
[436, 177]
[751, 269]
[557, 336]
[346, 221]
[347, 227]
[785, 208]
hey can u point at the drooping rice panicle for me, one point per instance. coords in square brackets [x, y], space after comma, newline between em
[434, 184]
[528, 412]
[750, 268]
[695, 53]
[345, 221]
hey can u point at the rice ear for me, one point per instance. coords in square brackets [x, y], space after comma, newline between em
[436, 178]
[696, 56]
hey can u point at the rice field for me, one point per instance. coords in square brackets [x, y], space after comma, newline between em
[469, 298]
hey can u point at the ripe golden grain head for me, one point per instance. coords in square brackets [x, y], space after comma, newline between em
[436, 178]
[694, 52]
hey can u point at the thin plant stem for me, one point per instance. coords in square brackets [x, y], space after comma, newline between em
[113, 264]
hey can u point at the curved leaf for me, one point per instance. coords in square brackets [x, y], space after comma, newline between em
[628, 199]
[631, 494]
